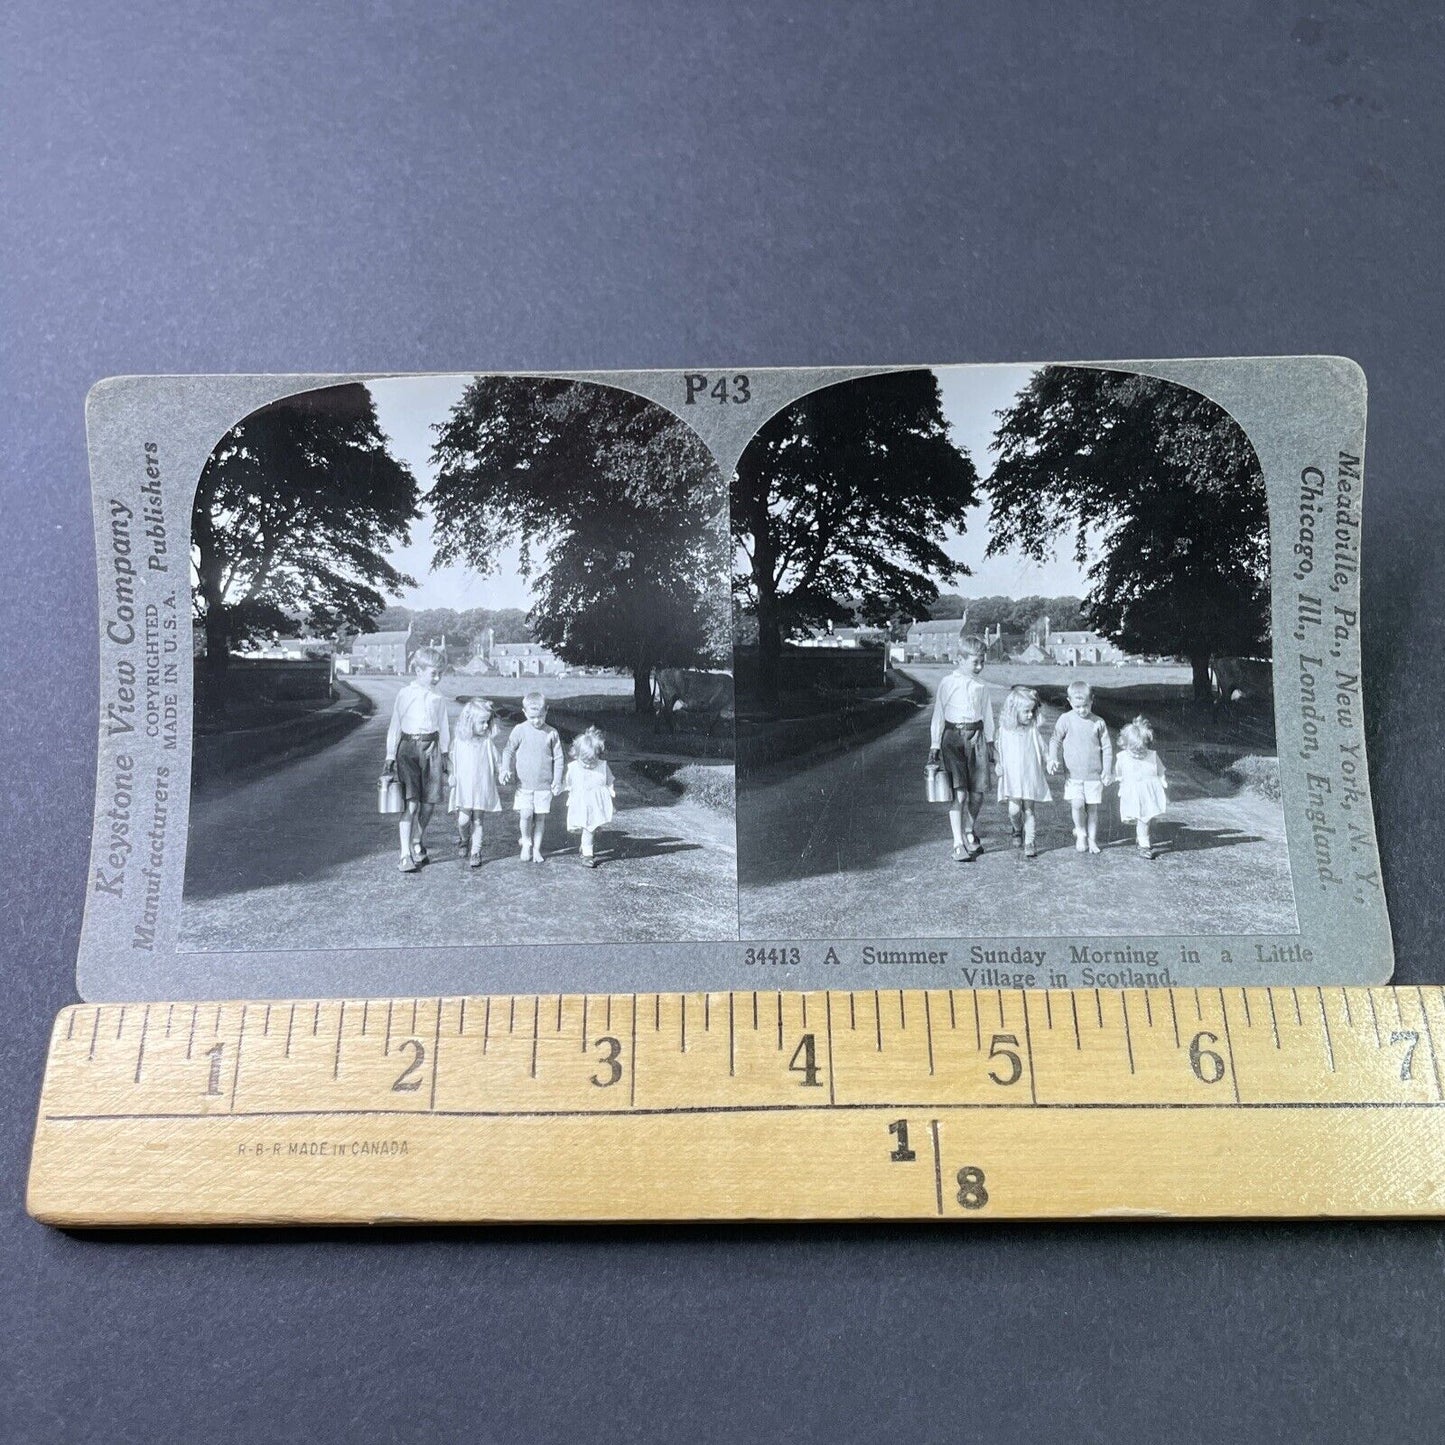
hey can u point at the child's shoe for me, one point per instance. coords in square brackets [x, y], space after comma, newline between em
[590, 859]
[971, 842]
[1030, 851]
[407, 865]
[1081, 842]
[1018, 832]
[419, 853]
[961, 854]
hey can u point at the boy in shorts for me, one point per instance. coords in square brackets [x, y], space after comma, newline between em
[1082, 737]
[416, 752]
[533, 756]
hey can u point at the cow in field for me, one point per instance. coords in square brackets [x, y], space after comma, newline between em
[1242, 684]
[707, 695]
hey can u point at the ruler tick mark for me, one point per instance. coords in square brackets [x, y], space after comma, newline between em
[1174, 1017]
[877, 1022]
[290, 1024]
[486, 1023]
[803, 1001]
[315, 1019]
[1324, 1019]
[1273, 1016]
[1244, 999]
[828, 1021]
[386, 1042]
[366, 1013]
[937, 1164]
[707, 1013]
[120, 1026]
[512, 1014]
[1298, 1017]
[1099, 1006]
[1398, 1014]
[584, 1021]
[755, 1010]
[1048, 1009]
[780, 1020]
[141, 1052]
[236, 1072]
[266, 1023]
[632, 1070]
[977, 1025]
[1029, 1047]
[461, 1018]
[927, 1028]
[1229, 1043]
[656, 1011]
[1198, 1008]
[1345, 1000]
[413, 1017]
[952, 1016]
[1128, 1037]
[558, 1029]
[70, 1027]
[170, 1009]
[607, 1022]
[1074, 1006]
[1148, 1011]
[1374, 1016]
[852, 1009]
[436, 1048]
[998, 994]
[902, 1013]
[191, 1038]
[684, 1024]
[340, 1025]
[536, 1015]
[95, 1031]
[732, 1039]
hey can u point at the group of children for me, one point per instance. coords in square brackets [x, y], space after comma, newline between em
[426, 759]
[965, 741]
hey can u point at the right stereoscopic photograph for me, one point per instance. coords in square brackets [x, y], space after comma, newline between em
[1004, 664]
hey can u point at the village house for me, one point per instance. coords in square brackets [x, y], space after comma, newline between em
[933, 639]
[850, 637]
[381, 651]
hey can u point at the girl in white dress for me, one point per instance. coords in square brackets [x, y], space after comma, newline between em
[1141, 780]
[476, 766]
[1022, 780]
[590, 790]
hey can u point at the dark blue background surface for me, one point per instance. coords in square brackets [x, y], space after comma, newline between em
[425, 187]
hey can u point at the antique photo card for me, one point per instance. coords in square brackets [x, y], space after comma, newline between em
[1043, 675]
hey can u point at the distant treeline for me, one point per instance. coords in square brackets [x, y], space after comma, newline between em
[1013, 614]
[508, 624]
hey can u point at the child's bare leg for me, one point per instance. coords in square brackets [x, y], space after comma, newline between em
[1092, 811]
[955, 821]
[1077, 808]
[1141, 834]
[1015, 818]
[423, 817]
[404, 829]
[464, 831]
[588, 839]
[539, 829]
[1030, 825]
[975, 806]
[524, 822]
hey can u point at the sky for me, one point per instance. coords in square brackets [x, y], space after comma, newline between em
[408, 407]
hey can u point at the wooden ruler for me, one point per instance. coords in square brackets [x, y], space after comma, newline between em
[895, 1104]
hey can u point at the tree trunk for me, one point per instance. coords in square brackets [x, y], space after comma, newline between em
[1203, 688]
[770, 647]
[642, 689]
[770, 635]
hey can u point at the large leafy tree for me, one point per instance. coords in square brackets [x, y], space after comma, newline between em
[1163, 497]
[619, 511]
[840, 506]
[294, 516]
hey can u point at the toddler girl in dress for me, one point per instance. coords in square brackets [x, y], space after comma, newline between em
[1022, 781]
[590, 790]
[1141, 780]
[476, 766]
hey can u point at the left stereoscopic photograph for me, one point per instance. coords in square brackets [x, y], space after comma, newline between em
[460, 667]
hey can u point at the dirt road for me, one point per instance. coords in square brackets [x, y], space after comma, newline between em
[848, 848]
[299, 858]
